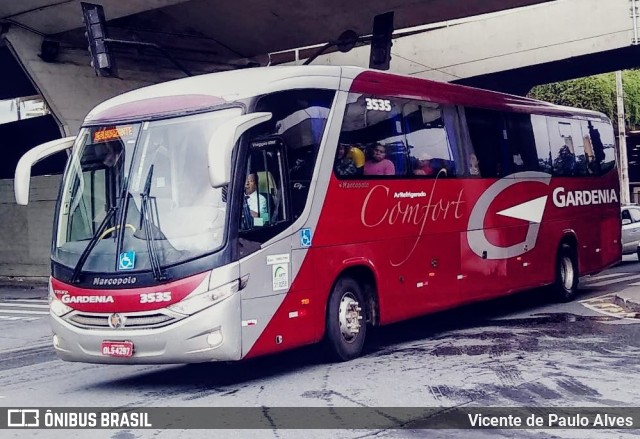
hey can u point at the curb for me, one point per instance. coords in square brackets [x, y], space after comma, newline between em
[28, 283]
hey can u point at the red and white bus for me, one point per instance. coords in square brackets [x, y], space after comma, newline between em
[237, 214]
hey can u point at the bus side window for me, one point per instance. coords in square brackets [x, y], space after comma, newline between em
[428, 142]
[299, 121]
[522, 144]
[488, 140]
[562, 142]
[374, 123]
[599, 146]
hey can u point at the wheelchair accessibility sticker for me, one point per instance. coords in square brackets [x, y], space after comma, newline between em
[305, 238]
[127, 260]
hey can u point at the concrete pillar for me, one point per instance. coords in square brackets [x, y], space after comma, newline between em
[69, 85]
[71, 89]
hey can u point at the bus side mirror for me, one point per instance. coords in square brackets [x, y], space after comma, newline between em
[222, 143]
[626, 221]
[22, 177]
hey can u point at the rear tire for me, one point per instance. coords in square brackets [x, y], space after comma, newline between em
[346, 320]
[565, 287]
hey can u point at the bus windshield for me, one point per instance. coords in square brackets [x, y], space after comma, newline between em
[137, 196]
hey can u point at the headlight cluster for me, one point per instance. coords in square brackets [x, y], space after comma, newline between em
[55, 305]
[195, 302]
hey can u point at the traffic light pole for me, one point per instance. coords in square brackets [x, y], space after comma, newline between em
[622, 143]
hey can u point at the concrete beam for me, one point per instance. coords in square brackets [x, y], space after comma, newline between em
[508, 40]
[52, 17]
[70, 86]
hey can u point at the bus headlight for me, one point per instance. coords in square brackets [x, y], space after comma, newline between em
[199, 301]
[55, 305]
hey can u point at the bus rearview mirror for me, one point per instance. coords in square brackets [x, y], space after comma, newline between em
[222, 143]
[22, 178]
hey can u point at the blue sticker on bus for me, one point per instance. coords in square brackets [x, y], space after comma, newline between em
[305, 237]
[127, 260]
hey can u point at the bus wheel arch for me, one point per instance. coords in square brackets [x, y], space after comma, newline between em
[566, 274]
[352, 305]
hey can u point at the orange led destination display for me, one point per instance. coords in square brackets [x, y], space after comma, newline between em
[115, 133]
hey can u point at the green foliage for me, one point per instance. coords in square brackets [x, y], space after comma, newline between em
[596, 93]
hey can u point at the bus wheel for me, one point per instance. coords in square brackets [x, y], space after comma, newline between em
[566, 284]
[346, 322]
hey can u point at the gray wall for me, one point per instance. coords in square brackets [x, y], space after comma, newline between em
[25, 231]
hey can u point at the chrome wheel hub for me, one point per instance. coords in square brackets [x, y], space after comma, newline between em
[349, 317]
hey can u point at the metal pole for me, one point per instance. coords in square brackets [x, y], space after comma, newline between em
[622, 143]
[634, 18]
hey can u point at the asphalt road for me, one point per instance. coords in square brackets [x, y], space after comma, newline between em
[517, 351]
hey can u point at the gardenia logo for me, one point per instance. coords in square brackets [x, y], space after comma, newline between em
[86, 299]
[115, 281]
[583, 198]
[409, 195]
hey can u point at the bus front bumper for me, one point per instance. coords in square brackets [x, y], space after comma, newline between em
[213, 334]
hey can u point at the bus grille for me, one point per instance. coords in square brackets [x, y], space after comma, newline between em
[132, 321]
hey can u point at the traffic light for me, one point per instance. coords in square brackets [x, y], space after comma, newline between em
[380, 56]
[96, 31]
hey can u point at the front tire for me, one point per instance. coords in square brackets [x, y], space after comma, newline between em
[565, 287]
[346, 320]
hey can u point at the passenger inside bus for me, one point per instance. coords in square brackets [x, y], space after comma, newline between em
[474, 165]
[422, 165]
[357, 155]
[344, 165]
[378, 164]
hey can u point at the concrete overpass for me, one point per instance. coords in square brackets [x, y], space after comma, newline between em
[205, 35]
[210, 36]
[514, 50]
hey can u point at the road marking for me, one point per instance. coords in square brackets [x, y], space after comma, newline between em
[604, 276]
[614, 281]
[26, 310]
[13, 318]
[24, 305]
[20, 311]
[612, 305]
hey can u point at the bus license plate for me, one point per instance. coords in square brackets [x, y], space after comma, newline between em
[117, 348]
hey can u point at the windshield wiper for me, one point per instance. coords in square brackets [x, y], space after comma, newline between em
[92, 243]
[149, 226]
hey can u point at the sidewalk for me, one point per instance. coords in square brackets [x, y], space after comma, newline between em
[23, 287]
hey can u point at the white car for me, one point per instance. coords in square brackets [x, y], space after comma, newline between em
[630, 230]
